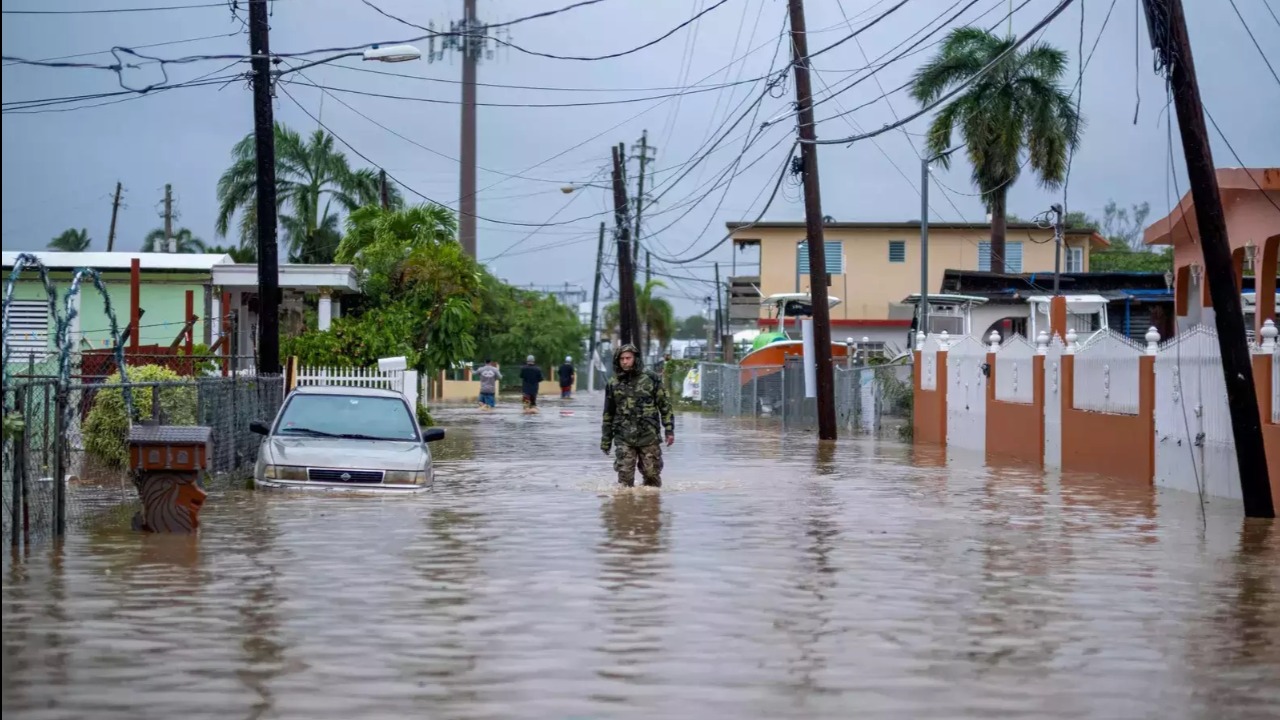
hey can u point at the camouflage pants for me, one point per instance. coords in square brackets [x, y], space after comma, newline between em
[649, 458]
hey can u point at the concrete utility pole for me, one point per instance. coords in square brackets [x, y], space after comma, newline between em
[592, 335]
[115, 212]
[813, 226]
[629, 320]
[265, 152]
[169, 245]
[1167, 26]
[471, 38]
[644, 148]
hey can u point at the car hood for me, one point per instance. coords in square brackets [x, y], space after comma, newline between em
[345, 454]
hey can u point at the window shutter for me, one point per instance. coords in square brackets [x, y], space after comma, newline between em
[835, 257]
[897, 251]
[1012, 256]
[28, 328]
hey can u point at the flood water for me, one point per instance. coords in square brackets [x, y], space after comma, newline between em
[770, 578]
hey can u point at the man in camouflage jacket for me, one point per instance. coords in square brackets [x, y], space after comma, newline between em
[637, 414]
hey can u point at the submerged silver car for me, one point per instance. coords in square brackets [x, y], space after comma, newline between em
[345, 439]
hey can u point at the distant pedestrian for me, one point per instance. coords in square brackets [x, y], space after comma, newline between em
[489, 376]
[636, 405]
[530, 378]
[568, 373]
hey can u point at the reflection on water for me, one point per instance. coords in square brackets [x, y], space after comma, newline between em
[772, 577]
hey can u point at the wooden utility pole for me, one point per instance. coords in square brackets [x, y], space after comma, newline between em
[1168, 29]
[115, 212]
[813, 226]
[383, 191]
[265, 159]
[629, 320]
[592, 335]
[719, 304]
[168, 219]
[648, 278]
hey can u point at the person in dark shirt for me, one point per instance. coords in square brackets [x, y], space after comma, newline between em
[568, 373]
[530, 378]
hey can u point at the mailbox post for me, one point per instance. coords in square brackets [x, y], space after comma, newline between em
[167, 462]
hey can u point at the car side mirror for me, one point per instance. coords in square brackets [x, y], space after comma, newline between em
[259, 427]
[432, 435]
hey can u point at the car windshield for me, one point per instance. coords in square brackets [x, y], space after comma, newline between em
[348, 416]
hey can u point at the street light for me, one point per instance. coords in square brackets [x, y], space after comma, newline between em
[393, 53]
[566, 189]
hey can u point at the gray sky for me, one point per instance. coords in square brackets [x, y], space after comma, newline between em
[61, 167]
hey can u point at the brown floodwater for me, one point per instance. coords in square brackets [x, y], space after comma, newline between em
[770, 578]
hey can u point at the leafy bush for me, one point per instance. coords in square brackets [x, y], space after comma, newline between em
[424, 417]
[106, 430]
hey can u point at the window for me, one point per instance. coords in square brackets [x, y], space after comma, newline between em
[1074, 259]
[897, 251]
[834, 252]
[29, 328]
[379, 418]
[1012, 259]
[870, 349]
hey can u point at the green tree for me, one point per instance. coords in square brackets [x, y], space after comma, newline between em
[1122, 258]
[71, 241]
[1016, 106]
[693, 327]
[311, 176]
[238, 254]
[185, 240]
[657, 318]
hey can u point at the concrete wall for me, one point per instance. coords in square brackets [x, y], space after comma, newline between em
[929, 407]
[871, 283]
[1016, 430]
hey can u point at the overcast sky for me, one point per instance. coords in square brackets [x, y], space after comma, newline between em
[61, 167]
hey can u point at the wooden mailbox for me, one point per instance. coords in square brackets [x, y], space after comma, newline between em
[167, 462]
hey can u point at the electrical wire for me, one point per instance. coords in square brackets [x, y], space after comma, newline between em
[112, 11]
[1240, 162]
[151, 45]
[553, 56]
[959, 88]
[1263, 54]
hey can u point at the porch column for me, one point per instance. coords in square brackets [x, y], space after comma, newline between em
[326, 309]
[1264, 284]
[215, 314]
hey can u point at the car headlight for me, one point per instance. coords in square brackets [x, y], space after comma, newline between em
[405, 477]
[284, 472]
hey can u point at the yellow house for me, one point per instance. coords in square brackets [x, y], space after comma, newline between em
[873, 266]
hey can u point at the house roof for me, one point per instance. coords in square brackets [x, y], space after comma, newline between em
[734, 225]
[1231, 181]
[170, 262]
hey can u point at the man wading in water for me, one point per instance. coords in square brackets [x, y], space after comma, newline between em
[637, 414]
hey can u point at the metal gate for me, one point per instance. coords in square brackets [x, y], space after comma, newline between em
[967, 395]
[1194, 445]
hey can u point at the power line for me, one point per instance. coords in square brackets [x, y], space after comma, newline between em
[1255, 40]
[150, 45]
[111, 11]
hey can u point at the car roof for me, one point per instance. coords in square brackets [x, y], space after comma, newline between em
[345, 390]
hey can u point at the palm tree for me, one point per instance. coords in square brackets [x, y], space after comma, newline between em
[657, 317]
[311, 175]
[186, 242]
[1017, 105]
[238, 254]
[71, 241]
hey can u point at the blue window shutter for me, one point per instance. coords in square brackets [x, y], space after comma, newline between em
[897, 251]
[1012, 256]
[984, 256]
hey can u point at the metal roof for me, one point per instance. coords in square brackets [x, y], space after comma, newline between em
[188, 262]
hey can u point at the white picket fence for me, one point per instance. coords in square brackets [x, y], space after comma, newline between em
[404, 382]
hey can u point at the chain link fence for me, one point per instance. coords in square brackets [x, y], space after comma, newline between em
[870, 399]
[66, 455]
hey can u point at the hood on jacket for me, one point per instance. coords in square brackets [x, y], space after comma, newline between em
[617, 359]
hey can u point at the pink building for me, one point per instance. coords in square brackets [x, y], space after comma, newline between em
[1251, 202]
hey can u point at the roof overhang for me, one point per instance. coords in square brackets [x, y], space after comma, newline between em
[336, 278]
[1180, 223]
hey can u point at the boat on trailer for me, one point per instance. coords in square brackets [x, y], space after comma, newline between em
[771, 350]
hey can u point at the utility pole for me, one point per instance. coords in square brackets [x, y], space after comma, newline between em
[644, 159]
[648, 278]
[626, 270]
[168, 220]
[470, 37]
[383, 190]
[719, 304]
[813, 226]
[711, 330]
[1058, 230]
[1167, 26]
[593, 338]
[922, 310]
[115, 211]
[265, 152]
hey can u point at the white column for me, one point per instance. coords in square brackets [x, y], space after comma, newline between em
[215, 317]
[326, 309]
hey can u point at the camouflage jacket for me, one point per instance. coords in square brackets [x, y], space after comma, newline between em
[637, 411]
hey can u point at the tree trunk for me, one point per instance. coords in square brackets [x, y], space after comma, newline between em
[998, 231]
